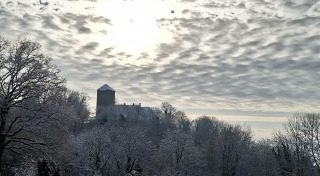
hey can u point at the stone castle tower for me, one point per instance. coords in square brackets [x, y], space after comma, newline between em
[105, 97]
[108, 110]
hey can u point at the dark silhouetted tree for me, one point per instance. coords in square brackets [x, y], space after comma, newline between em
[29, 87]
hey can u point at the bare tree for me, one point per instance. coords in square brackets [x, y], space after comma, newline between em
[261, 159]
[309, 134]
[182, 121]
[96, 152]
[77, 105]
[168, 110]
[178, 156]
[112, 150]
[29, 85]
[296, 149]
[133, 150]
[205, 129]
[234, 141]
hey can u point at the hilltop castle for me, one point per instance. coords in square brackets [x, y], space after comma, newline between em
[108, 109]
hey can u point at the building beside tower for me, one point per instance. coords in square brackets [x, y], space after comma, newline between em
[108, 110]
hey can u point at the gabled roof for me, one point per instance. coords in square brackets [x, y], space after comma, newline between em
[106, 87]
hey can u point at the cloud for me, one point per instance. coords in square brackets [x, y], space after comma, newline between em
[47, 22]
[80, 22]
[88, 47]
[243, 55]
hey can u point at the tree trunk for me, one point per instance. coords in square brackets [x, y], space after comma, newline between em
[3, 136]
[1, 154]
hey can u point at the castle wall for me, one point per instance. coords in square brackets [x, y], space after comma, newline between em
[126, 113]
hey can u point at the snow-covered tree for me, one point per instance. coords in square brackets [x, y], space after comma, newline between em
[178, 156]
[96, 152]
[296, 149]
[29, 89]
[109, 150]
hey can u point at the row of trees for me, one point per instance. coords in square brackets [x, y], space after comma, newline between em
[45, 130]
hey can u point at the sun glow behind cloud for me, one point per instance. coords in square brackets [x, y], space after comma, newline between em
[134, 24]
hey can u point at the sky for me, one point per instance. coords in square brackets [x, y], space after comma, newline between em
[251, 62]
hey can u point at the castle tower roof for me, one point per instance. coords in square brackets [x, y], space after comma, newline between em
[106, 87]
